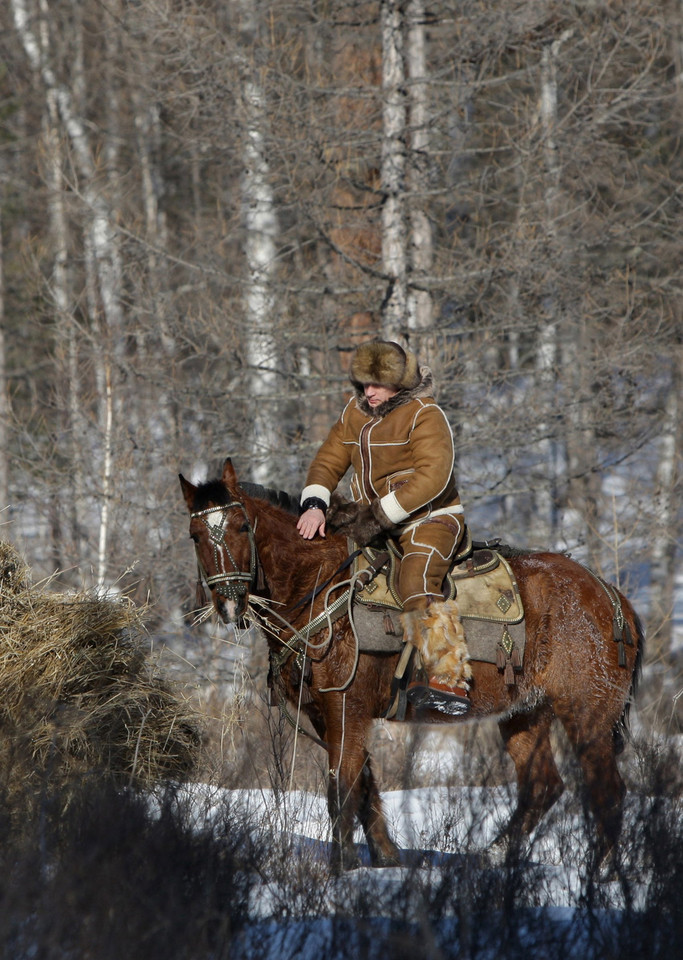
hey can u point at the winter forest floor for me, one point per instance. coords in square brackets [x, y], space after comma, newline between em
[233, 861]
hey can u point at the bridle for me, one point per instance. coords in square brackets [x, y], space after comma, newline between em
[229, 583]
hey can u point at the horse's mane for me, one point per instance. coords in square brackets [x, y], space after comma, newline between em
[277, 498]
[215, 491]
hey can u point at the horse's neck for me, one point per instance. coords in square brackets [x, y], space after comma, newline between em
[290, 567]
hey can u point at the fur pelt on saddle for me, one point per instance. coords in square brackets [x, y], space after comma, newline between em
[362, 522]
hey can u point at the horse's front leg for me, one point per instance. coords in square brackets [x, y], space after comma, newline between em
[346, 758]
[343, 804]
[383, 850]
[352, 791]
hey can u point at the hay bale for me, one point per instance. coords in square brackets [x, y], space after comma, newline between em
[15, 576]
[79, 693]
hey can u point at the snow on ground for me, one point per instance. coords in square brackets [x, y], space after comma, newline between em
[435, 829]
[442, 832]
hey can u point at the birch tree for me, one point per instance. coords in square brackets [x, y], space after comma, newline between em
[406, 232]
[62, 295]
[261, 349]
[419, 306]
[665, 513]
[102, 256]
[394, 133]
[547, 468]
[4, 400]
[261, 233]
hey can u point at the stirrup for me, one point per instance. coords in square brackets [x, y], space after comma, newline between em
[435, 695]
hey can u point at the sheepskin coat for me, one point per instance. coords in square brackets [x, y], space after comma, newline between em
[401, 452]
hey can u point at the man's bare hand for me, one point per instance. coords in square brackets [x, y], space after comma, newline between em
[311, 522]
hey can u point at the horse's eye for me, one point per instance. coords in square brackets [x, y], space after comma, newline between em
[194, 537]
[244, 528]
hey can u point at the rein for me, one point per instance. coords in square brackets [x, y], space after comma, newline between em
[312, 594]
[233, 583]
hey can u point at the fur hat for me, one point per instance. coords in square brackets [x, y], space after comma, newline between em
[385, 363]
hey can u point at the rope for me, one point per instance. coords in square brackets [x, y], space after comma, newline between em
[297, 728]
[303, 641]
[341, 756]
[312, 594]
[356, 656]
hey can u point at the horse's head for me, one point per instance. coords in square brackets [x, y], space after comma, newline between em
[224, 541]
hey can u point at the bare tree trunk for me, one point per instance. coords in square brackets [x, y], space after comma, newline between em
[575, 443]
[545, 476]
[4, 399]
[107, 415]
[262, 229]
[100, 236]
[394, 226]
[666, 506]
[101, 229]
[666, 510]
[155, 336]
[147, 132]
[678, 52]
[261, 345]
[552, 333]
[60, 291]
[419, 312]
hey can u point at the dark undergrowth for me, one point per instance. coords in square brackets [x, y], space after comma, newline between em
[99, 872]
[112, 876]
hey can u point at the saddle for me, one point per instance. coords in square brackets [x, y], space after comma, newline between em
[381, 589]
[489, 604]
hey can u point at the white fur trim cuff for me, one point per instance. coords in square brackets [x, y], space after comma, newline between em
[315, 490]
[393, 508]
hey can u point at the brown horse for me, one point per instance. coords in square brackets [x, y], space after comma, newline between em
[249, 551]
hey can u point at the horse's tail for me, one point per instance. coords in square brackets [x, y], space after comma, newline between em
[621, 727]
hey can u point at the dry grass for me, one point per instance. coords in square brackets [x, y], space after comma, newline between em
[79, 693]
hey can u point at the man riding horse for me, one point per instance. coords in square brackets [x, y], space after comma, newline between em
[400, 446]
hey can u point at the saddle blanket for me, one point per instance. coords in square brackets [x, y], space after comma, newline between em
[489, 606]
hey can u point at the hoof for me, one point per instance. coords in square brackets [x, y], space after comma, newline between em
[607, 869]
[344, 862]
[386, 860]
[504, 847]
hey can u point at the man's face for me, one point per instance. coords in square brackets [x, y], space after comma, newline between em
[377, 394]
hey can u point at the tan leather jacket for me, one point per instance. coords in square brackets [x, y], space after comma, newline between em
[402, 453]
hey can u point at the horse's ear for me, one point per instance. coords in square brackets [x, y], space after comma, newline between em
[189, 491]
[229, 477]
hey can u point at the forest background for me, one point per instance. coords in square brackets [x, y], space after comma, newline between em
[206, 205]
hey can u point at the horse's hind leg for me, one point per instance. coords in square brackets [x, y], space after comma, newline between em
[539, 785]
[593, 740]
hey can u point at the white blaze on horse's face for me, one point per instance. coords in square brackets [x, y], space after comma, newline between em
[226, 556]
[229, 611]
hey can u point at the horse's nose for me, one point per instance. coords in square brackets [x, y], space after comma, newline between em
[230, 610]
